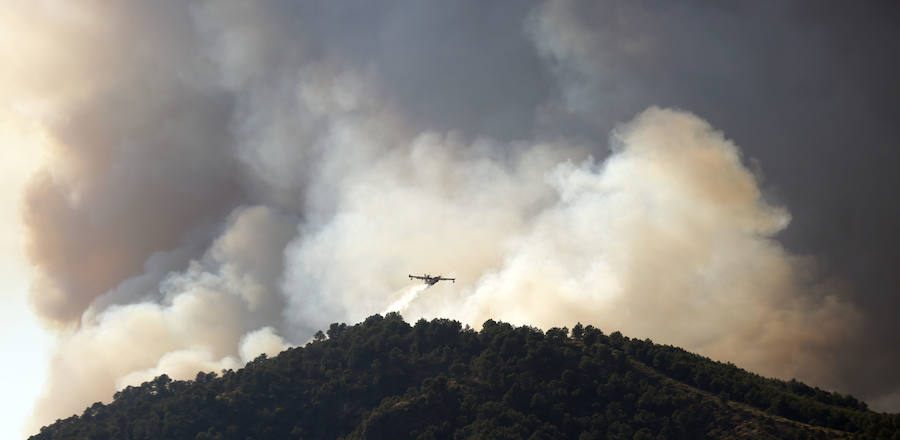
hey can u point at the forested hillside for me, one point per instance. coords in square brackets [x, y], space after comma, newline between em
[384, 378]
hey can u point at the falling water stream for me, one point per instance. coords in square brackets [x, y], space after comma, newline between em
[408, 296]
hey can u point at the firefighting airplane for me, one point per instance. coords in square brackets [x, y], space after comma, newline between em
[430, 280]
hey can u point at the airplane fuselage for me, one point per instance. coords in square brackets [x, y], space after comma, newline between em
[430, 280]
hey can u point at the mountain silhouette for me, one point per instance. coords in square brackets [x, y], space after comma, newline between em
[386, 379]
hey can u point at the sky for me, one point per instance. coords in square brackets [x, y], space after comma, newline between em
[191, 184]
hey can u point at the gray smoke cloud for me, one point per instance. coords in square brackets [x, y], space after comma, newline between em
[229, 178]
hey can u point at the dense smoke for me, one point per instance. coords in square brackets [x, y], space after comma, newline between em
[229, 178]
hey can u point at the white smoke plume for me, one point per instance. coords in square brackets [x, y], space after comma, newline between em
[215, 314]
[265, 182]
[668, 237]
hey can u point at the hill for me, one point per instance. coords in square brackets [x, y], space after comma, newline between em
[384, 378]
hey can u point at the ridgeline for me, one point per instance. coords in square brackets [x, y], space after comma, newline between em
[385, 379]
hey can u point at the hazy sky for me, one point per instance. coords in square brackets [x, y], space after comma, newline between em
[190, 184]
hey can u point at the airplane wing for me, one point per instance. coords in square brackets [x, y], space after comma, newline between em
[447, 279]
[416, 277]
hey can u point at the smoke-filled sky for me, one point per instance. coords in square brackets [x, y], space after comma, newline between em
[212, 180]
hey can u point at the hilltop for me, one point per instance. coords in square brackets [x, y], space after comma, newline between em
[385, 378]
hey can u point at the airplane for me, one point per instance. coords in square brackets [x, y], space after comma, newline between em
[430, 280]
